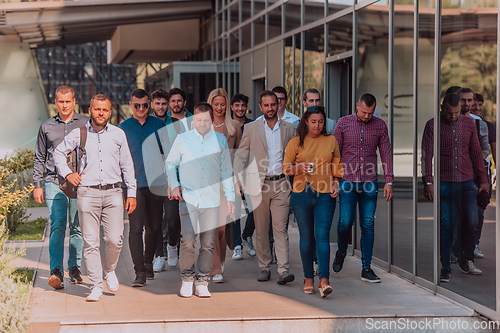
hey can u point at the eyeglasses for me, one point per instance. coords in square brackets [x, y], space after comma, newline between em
[281, 99]
[314, 108]
[137, 106]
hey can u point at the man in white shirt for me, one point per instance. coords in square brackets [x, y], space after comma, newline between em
[283, 114]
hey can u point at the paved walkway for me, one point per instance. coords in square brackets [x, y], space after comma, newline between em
[239, 299]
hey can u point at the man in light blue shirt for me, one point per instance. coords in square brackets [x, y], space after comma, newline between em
[197, 164]
[310, 98]
[100, 198]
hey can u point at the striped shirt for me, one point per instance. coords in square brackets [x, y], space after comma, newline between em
[460, 151]
[358, 142]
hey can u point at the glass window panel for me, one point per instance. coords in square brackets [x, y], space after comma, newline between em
[292, 14]
[373, 29]
[260, 30]
[340, 35]
[314, 10]
[403, 137]
[469, 51]
[292, 81]
[246, 11]
[233, 16]
[275, 22]
[259, 5]
[275, 65]
[314, 60]
[259, 61]
[246, 35]
[337, 5]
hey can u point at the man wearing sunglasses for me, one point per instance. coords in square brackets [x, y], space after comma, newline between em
[283, 114]
[148, 143]
[312, 98]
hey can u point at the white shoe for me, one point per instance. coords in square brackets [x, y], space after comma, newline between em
[95, 295]
[477, 253]
[222, 267]
[237, 254]
[112, 281]
[159, 264]
[173, 256]
[202, 291]
[186, 289]
[473, 269]
[217, 278]
[250, 248]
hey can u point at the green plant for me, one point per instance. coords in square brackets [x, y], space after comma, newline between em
[16, 214]
[31, 230]
[14, 293]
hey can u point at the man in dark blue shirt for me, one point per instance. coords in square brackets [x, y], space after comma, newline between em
[149, 146]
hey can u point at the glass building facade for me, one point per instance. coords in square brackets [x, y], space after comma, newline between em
[406, 53]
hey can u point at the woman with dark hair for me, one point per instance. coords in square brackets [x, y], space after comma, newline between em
[313, 158]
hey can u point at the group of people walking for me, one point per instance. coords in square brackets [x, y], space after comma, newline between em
[183, 175]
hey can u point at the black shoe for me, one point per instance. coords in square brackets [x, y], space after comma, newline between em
[74, 275]
[338, 262]
[264, 276]
[445, 275]
[150, 275]
[285, 277]
[463, 265]
[369, 275]
[140, 280]
[56, 279]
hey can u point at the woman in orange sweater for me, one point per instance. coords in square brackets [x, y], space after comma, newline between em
[313, 158]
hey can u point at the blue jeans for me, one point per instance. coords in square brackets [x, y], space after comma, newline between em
[350, 194]
[314, 213]
[458, 207]
[58, 203]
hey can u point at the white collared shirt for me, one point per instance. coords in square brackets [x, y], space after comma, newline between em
[273, 140]
[290, 117]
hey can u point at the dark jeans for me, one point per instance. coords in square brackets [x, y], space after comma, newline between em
[248, 230]
[171, 227]
[148, 216]
[350, 194]
[458, 206]
[314, 213]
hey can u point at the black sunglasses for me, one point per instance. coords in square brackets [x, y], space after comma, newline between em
[138, 106]
[314, 108]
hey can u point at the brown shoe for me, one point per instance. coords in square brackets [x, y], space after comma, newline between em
[308, 286]
[324, 287]
[56, 279]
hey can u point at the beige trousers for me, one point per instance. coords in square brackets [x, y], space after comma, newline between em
[276, 204]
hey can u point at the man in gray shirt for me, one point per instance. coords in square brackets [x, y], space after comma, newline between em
[51, 134]
[100, 197]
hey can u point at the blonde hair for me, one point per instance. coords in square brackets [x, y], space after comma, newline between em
[231, 130]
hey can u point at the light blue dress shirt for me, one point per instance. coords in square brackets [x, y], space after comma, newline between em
[202, 163]
[108, 158]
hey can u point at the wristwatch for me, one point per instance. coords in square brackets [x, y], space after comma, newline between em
[426, 183]
[392, 183]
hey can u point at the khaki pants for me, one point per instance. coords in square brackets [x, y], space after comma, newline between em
[276, 203]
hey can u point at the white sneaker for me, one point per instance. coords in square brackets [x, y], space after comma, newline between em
[173, 256]
[95, 295]
[159, 264]
[477, 253]
[473, 269]
[186, 289]
[237, 254]
[250, 248]
[222, 267]
[217, 278]
[112, 281]
[202, 291]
